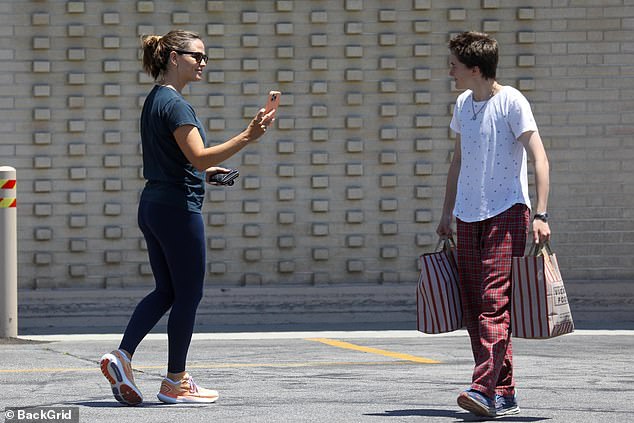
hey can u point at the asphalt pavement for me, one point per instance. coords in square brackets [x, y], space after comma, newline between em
[314, 354]
[316, 376]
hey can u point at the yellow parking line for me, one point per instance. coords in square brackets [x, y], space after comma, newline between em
[349, 346]
[209, 366]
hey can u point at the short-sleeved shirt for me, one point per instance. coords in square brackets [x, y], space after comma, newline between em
[493, 171]
[171, 179]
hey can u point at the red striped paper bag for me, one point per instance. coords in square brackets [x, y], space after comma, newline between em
[539, 304]
[438, 304]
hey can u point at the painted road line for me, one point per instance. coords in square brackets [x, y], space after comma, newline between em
[212, 366]
[349, 346]
[236, 336]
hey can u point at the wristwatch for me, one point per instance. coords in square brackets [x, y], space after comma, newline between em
[541, 216]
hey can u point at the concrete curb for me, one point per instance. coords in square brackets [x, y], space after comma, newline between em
[595, 305]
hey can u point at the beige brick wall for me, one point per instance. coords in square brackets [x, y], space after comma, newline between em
[348, 187]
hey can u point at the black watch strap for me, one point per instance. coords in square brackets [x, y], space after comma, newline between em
[541, 216]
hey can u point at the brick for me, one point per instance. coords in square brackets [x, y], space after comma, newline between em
[284, 5]
[355, 266]
[352, 28]
[355, 216]
[491, 26]
[320, 229]
[286, 266]
[354, 193]
[320, 254]
[75, 7]
[145, 6]
[215, 5]
[355, 241]
[41, 43]
[354, 5]
[40, 18]
[286, 194]
[319, 158]
[76, 102]
[215, 29]
[319, 17]
[284, 28]
[76, 149]
[180, 18]
[110, 18]
[457, 14]
[321, 181]
[526, 13]
[249, 17]
[285, 52]
[388, 181]
[319, 40]
[41, 66]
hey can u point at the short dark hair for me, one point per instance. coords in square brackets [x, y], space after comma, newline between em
[476, 49]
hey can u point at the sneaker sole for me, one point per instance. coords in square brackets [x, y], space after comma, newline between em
[467, 403]
[508, 412]
[185, 400]
[123, 390]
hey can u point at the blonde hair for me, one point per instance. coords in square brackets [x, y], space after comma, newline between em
[157, 49]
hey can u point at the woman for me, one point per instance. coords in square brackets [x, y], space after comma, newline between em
[487, 191]
[175, 161]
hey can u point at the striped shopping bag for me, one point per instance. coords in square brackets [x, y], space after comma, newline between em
[539, 304]
[438, 304]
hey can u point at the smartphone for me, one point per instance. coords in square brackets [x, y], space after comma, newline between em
[273, 101]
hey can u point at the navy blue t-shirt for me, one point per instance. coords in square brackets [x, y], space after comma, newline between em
[171, 179]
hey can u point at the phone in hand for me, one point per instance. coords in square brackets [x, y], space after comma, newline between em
[273, 101]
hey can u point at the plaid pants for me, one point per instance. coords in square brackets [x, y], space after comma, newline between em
[485, 251]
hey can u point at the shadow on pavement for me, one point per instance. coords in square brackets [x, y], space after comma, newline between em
[144, 404]
[460, 416]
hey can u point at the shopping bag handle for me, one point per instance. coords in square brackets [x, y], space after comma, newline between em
[540, 248]
[446, 242]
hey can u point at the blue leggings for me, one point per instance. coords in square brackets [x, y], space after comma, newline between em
[176, 246]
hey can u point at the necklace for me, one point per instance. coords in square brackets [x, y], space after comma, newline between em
[473, 108]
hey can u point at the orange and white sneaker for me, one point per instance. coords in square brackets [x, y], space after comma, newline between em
[116, 367]
[185, 391]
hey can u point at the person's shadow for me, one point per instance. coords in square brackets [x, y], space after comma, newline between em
[144, 404]
[459, 416]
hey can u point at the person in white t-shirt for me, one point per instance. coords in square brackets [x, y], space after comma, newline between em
[487, 192]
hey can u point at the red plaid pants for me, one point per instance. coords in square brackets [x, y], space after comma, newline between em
[485, 251]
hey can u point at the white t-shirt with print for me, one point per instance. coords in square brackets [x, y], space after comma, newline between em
[493, 175]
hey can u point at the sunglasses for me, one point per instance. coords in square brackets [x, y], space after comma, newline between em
[198, 57]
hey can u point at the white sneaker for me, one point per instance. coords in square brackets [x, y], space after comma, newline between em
[116, 367]
[185, 391]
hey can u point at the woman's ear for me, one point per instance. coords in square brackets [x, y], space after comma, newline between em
[173, 58]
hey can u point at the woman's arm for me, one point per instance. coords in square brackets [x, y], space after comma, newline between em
[201, 157]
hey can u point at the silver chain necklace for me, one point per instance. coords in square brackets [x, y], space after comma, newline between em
[473, 109]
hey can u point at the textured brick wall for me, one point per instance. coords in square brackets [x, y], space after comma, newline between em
[349, 185]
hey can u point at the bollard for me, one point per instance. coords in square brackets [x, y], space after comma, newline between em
[8, 254]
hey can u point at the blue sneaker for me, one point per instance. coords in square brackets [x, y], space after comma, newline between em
[477, 403]
[506, 405]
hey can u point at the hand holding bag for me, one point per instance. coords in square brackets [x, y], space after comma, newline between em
[438, 304]
[539, 304]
